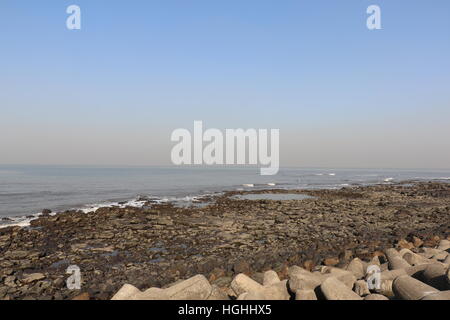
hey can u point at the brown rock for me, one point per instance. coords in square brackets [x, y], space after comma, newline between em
[242, 266]
[83, 296]
[309, 265]
[417, 242]
[403, 244]
[331, 262]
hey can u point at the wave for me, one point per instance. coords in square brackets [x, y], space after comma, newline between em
[139, 202]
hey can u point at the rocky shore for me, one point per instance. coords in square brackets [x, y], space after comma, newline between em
[224, 241]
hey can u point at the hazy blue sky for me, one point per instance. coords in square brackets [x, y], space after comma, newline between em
[111, 93]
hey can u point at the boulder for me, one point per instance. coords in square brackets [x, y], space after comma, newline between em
[242, 283]
[444, 245]
[361, 288]
[301, 279]
[195, 288]
[253, 296]
[126, 292]
[408, 288]
[392, 274]
[443, 295]
[217, 294]
[436, 276]
[385, 288]
[395, 260]
[344, 276]
[448, 277]
[375, 296]
[270, 277]
[447, 260]
[417, 242]
[331, 261]
[277, 291]
[356, 267]
[151, 294]
[305, 295]
[431, 253]
[333, 289]
[415, 259]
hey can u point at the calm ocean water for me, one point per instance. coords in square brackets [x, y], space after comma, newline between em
[26, 190]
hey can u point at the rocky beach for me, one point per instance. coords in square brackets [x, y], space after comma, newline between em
[227, 241]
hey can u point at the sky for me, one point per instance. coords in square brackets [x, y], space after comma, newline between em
[112, 93]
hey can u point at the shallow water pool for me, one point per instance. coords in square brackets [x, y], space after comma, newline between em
[273, 196]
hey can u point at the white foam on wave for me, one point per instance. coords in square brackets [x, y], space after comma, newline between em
[271, 184]
[24, 221]
[248, 185]
[21, 221]
[388, 179]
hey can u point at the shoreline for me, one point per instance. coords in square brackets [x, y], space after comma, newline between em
[160, 244]
[140, 201]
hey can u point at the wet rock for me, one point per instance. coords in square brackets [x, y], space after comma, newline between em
[29, 278]
[10, 281]
[17, 254]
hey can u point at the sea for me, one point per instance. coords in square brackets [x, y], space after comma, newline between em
[26, 190]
